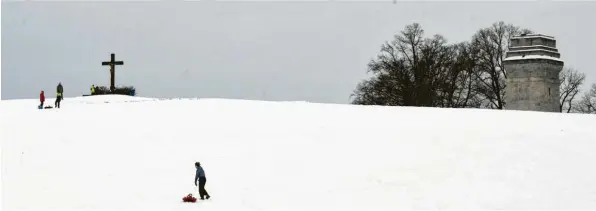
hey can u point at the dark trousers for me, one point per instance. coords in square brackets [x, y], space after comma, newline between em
[57, 103]
[202, 191]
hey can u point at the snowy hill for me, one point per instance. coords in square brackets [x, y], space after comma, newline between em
[122, 152]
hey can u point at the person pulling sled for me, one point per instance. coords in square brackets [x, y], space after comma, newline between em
[200, 177]
[42, 98]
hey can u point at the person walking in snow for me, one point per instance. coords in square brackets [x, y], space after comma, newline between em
[200, 176]
[42, 98]
[59, 95]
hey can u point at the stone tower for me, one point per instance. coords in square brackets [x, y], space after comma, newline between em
[533, 65]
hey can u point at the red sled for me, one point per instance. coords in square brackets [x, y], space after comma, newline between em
[189, 198]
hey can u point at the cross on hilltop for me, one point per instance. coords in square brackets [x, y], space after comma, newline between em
[112, 63]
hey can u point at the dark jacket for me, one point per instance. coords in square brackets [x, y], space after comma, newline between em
[59, 89]
[42, 97]
[199, 173]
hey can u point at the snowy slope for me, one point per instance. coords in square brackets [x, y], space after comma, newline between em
[138, 153]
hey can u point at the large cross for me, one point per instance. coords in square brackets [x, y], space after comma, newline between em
[112, 63]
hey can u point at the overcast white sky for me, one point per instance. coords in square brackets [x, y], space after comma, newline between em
[314, 51]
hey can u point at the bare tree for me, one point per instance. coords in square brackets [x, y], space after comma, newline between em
[458, 88]
[417, 71]
[491, 44]
[571, 80]
[587, 104]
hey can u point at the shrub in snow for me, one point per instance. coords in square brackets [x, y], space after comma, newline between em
[123, 90]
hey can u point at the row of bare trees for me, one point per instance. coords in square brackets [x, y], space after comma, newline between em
[413, 70]
[571, 102]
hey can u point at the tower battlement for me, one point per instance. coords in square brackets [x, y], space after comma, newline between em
[533, 46]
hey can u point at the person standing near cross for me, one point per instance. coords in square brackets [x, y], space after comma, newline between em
[59, 95]
[112, 63]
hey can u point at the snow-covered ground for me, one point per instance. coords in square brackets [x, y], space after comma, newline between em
[138, 153]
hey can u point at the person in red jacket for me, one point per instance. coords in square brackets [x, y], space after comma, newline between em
[42, 99]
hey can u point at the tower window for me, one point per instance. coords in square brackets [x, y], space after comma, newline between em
[549, 91]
